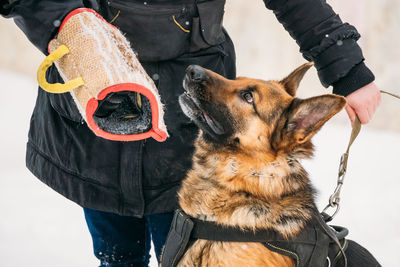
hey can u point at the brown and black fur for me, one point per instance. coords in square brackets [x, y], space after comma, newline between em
[246, 169]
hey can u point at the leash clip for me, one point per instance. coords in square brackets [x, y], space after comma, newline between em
[334, 199]
[343, 167]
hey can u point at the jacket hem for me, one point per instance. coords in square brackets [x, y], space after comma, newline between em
[90, 194]
[82, 192]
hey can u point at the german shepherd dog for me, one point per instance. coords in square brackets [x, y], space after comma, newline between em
[246, 171]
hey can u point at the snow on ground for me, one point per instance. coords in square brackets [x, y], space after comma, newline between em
[38, 227]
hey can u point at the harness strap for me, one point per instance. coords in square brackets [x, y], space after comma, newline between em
[312, 246]
[336, 235]
[212, 231]
[177, 240]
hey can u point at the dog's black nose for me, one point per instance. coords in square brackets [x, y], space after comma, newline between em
[196, 73]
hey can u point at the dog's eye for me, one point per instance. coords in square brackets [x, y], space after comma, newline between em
[248, 97]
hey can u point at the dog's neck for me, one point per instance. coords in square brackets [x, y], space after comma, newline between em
[248, 189]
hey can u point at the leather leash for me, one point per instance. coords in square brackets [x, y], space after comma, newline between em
[334, 199]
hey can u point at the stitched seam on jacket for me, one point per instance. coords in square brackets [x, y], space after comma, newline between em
[336, 59]
[139, 177]
[314, 26]
[162, 186]
[84, 179]
[122, 198]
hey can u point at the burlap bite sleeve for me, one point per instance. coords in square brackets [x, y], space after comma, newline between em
[95, 60]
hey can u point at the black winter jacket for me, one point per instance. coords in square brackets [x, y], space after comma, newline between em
[138, 178]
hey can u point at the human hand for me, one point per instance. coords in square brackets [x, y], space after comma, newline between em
[363, 103]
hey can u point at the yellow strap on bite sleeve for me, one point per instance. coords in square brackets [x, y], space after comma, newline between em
[56, 88]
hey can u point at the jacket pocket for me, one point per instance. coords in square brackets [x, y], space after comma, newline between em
[165, 31]
[63, 104]
[156, 31]
[207, 27]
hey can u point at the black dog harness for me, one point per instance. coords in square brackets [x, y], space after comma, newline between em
[318, 245]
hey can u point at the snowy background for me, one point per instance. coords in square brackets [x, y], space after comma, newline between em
[40, 228]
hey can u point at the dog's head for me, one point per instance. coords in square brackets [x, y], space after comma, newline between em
[255, 114]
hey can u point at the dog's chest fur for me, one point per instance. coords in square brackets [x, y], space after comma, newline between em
[208, 253]
[246, 189]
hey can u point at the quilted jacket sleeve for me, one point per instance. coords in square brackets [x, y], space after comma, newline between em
[326, 40]
[40, 19]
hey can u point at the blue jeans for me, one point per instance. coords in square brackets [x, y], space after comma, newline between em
[121, 241]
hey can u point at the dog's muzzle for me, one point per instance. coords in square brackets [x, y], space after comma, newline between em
[192, 101]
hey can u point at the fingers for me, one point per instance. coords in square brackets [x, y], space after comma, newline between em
[377, 100]
[374, 103]
[364, 115]
[363, 103]
[351, 113]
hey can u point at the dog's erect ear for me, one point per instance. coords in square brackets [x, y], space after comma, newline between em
[307, 116]
[291, 82]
